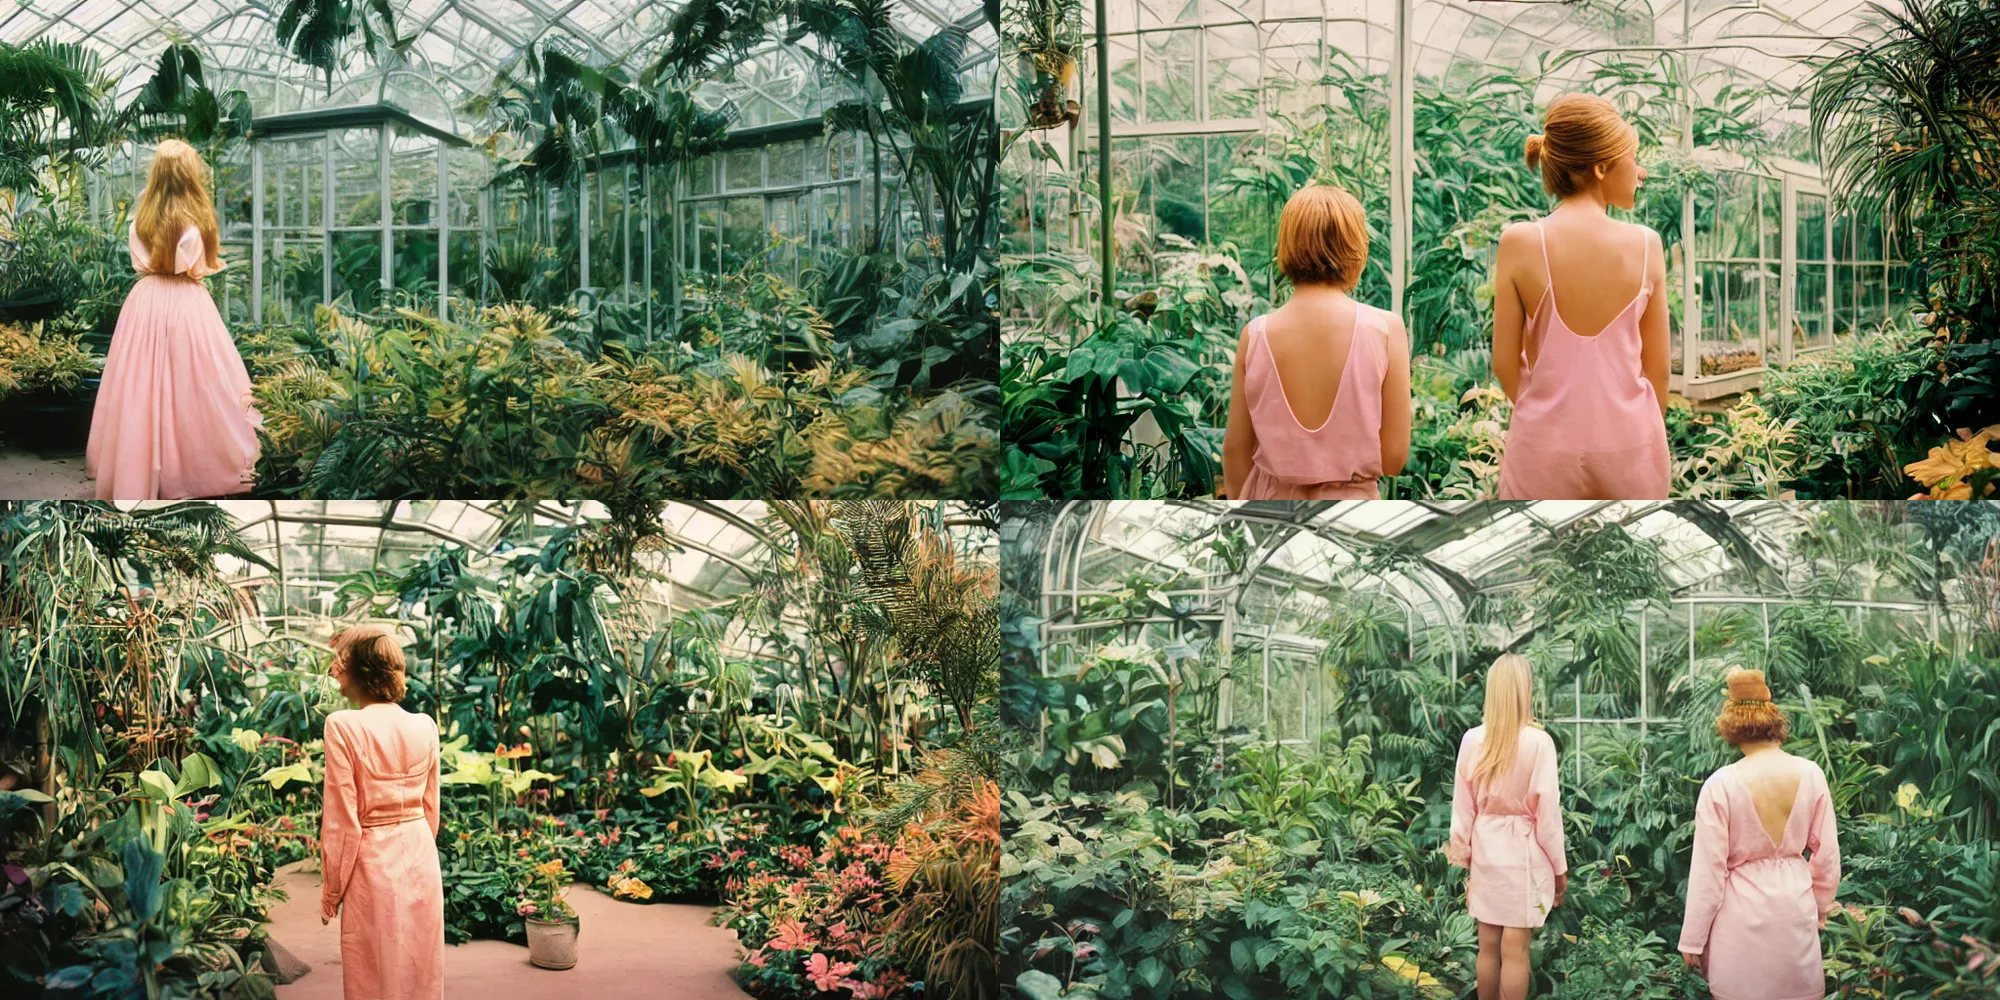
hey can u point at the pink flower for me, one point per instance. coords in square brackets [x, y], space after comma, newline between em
[866, 991]
[791, 936]
[826, 974]
[525, 909]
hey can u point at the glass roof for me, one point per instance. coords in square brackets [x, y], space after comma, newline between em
[1434, 558]
[456, 49]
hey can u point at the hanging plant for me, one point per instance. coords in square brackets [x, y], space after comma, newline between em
[313, 31]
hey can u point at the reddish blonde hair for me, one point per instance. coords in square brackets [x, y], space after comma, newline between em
[176, 197]
[1749, 716]
[1579, 131]
[373, 660]
[1323, 238]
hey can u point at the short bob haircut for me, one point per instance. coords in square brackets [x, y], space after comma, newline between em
[1323, 238]
[373, 660]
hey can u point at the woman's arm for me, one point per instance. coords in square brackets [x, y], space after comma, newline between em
[1707, 872]
[1509, 316]
[1546, 801]
[1396, 401]
[1823, 839]
[339, 824]
[431, 787]
[1239, 439]
[1654, 341]
[1464, 808]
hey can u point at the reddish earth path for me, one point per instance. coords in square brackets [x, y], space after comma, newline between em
[626, 950]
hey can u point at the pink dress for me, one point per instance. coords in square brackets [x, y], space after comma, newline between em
[1341, 459]
[1508, 832]
[1754, 906]
[1587, 424]
[174, 416]
[378, 848]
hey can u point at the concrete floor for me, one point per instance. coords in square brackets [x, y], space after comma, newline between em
[625, 950]
[25, 476]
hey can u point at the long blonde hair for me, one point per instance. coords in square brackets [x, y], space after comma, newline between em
[175, 198]
[1510, 685]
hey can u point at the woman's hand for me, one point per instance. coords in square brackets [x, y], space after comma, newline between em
[1698, 963]
[327, 913]
[1562, 887]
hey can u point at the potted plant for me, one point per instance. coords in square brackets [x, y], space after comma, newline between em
[552, 923]
[1048, 33]
[49, 382]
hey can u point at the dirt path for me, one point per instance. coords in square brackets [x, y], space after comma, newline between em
[626, 950]
[26, 476]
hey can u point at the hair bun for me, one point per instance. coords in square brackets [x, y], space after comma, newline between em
[1535, 150]
[1747, 685]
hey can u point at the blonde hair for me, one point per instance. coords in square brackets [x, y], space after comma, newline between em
[1323, 238]
[1579, 131]
[176, 197]
[1510, 685]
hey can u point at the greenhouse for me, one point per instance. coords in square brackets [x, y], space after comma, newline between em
[740, 746]
[1812, 257]
[781, 212]
[1241, 721]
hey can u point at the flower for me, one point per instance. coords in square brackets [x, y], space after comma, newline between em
[824, 973]
[631, 888]
[791, 936]
[525, 909]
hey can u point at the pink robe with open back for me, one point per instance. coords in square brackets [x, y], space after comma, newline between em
[378, 843]
[1753, 906]
[1507, 833]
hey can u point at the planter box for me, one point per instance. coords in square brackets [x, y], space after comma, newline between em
[50, 424]
[29, 308]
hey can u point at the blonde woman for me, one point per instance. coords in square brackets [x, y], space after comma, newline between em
[1319, 404]
[173, 417]
[378, 831]
[1506, 828]
[1766, 860]
[1579, 323]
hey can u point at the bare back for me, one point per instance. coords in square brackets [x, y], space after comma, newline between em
[1596, 264]
[1773, 780]
[1310, 342]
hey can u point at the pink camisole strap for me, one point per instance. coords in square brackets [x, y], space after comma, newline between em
[1343, 455]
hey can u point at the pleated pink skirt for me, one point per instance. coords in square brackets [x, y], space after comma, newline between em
[1261, 485]
[174, 417]
[392, 918]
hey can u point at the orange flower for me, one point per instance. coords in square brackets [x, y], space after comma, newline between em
[1948, 467]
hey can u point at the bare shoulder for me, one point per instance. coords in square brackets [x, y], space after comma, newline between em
[1516, 237]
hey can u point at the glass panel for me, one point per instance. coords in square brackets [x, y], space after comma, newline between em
[357, 268]
[1170, 75]
[468, 273]
[1771, 202]
[787, 166]
[293, 268]
[357, 199]
[744, 169]
[416, 267]
[743, 236]
[1232, 71]
[413, 180]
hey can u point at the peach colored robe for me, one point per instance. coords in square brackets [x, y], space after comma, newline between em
[173, 417]
[1753, 906]
[1341, 459]
[1508, 833]
[378, 843]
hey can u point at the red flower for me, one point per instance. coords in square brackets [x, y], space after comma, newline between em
[824, 973]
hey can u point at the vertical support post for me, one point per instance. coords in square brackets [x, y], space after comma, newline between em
[1265, 649]
[256, 233]
[327, 188]
[1104, 208]
[1788, 267]
[1402, 119]
[1645, 712]
[1690, 644]
[646, 181]
[444, 232]
[583, 231]
[1577, 751]
[384, 150]
[1765, 607]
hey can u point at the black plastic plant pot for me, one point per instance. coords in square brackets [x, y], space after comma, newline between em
[52, 424]
[30, 308]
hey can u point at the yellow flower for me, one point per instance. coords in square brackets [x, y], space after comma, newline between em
[552, 869]
[1946, 469]
[1906, 796]
[1364, 899]
[631, 888]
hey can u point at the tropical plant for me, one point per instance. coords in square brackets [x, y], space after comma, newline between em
[317, 32]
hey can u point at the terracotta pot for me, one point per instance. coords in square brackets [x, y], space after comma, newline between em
[552, 943]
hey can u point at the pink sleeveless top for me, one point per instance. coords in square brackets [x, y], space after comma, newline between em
[1341, 458]
[1587, 425]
